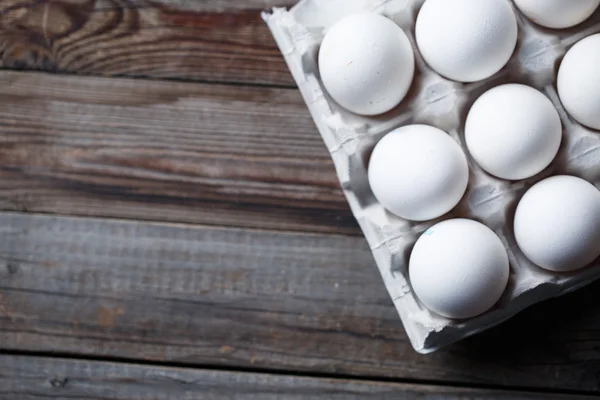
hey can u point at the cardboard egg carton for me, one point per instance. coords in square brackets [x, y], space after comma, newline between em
[440, 102]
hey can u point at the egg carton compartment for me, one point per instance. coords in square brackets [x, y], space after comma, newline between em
[437, 101]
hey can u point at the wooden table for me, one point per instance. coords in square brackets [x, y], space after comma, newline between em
[172, 228]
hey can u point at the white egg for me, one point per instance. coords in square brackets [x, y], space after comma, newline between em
[466, 40]
[366, 63]
[513, 131]
[418, 172]
[557, 223]
[579, 81]
[558, 14]
[459, 268]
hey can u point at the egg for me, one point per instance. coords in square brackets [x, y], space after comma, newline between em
[513, 131]
[418, 172]
[366, 63]
[579, 81]
[557, 14]
[459, 268]
[466, 40]
[557, 223]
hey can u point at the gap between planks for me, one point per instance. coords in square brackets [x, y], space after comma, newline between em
[143, 78]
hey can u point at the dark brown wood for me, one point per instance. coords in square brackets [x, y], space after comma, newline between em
[224, 41]
[27, 378]
[257, 299]
[169, 151]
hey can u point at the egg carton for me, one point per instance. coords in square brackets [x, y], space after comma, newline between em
[437, 101]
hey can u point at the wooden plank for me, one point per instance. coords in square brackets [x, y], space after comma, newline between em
[217, 40]
[257, 299]
[28, 378]
[169, 151]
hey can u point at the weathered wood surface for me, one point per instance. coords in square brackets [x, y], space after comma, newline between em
[27, 378]
[235, 156]
[221, 41]
[257, 299]
[169, 151]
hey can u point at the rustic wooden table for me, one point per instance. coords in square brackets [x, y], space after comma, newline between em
[172, 227]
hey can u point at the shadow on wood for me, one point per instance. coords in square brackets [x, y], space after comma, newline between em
[35, 377]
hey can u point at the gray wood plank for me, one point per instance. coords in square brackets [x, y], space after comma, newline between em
[28, 378]
[169, 151]
[217, 40]
[257, 299]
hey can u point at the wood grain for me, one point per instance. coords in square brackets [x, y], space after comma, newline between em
[257, 299]
[222, 41]
[27, 378]
[169, 151]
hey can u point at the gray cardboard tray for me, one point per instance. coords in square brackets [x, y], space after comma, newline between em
[437, 101]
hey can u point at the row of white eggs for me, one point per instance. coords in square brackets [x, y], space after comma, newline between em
[459, 268]
[419, 172]
[367, 65]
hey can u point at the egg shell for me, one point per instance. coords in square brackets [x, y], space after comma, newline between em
[418, 172]
[579, 81]
[466, 40]
[366, 63]
[557, 223]
[558, 14]
[459, 268]
[513, 131]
